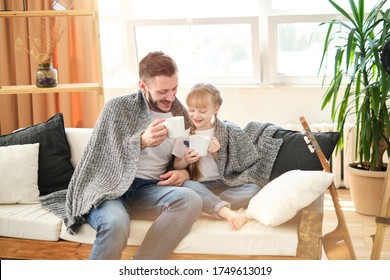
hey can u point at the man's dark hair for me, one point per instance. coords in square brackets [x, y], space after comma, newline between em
[156, 64]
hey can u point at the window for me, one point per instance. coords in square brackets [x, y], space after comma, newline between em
[209, 43]
[222, 50]
[295, 49]
[227, 42]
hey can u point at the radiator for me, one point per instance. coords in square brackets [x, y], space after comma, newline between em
[338, 160]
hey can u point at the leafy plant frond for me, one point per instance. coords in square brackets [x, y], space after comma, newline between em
[357, 40]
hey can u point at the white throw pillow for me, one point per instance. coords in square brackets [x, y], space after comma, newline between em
[282, 198]
[19, 174]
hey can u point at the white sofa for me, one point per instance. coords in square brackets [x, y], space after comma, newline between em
[28, 231]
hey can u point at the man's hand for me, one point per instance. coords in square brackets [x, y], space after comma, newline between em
[174, 178]
[154, 135]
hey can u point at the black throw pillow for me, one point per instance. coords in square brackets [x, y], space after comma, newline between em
[55, 169]
[294, 153]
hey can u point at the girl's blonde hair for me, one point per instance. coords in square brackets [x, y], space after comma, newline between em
[199, 97]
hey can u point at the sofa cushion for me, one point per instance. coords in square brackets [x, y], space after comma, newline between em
[30, 221]
[294, 153]
[211, 236]
[19, 174]
[55, 169]
[281, 199]
[78, 139]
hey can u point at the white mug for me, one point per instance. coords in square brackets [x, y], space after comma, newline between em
[200, 143]
[175, 126]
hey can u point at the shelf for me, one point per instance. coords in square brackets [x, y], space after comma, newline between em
[75, 87]
[25, 89]
[46, 13]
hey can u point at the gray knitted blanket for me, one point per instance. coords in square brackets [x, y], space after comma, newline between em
[246, 155]
[108, 165]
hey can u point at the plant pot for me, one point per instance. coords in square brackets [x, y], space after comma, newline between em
[366, 189]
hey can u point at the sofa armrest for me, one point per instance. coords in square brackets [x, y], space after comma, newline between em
[310, 230]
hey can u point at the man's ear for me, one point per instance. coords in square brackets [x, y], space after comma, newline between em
[142, 86]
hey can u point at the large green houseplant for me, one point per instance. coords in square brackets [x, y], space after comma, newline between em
[360, 85]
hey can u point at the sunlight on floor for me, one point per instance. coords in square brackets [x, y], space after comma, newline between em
[361, 227]
[346, 205]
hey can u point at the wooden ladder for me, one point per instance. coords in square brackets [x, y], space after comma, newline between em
[337, 243]
[382, 220]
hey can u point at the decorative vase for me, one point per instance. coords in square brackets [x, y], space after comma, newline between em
[46, 76]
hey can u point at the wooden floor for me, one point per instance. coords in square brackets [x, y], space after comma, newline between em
[361, 227]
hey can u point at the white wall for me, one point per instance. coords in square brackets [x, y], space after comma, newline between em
[279, 105]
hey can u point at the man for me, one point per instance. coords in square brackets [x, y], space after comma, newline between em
[123, 172]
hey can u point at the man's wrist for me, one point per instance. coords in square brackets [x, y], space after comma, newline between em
[186, 174]
[143, 145]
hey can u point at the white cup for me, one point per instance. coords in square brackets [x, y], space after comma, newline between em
[175, 126]
[200, 143]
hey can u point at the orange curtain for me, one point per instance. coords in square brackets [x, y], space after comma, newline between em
[75, 58]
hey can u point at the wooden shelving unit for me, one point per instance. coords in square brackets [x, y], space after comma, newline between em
[79, 87]
[46, 13]
[25, 89]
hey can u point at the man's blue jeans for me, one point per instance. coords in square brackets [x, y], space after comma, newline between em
[215, 194]
[173, 210]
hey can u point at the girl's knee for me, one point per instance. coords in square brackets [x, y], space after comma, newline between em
[190, 198]
[192, 184]
[252, 188]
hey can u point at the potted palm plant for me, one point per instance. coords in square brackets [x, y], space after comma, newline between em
[359, 89]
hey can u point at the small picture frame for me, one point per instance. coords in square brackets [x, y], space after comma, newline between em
[62, 5]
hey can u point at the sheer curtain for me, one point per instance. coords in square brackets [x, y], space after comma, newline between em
[74, 57]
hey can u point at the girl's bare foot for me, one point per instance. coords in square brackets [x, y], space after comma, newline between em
[237, 221]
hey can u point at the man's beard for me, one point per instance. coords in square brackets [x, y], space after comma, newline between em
[154, 104]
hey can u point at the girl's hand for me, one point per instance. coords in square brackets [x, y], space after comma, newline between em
[214, 145]
[191, 156]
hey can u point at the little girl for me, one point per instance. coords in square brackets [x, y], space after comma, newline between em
[203, 102]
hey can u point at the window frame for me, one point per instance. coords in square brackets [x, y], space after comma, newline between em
[280, 79]
[264, 44]
[131, 24]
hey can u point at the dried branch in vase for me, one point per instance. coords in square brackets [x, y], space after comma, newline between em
[49, 36]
